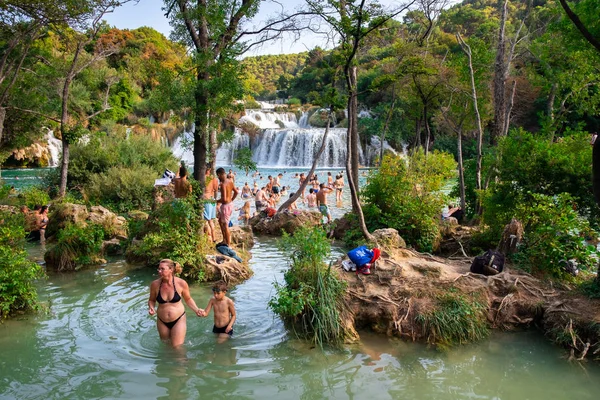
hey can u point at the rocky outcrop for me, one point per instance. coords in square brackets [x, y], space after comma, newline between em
[511, 237]
[63, 213]
[114, 226]
[407, 290]
[242, 237]
[388, 239]
[285, 221]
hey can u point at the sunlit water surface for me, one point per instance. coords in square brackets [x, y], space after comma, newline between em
[98, 341]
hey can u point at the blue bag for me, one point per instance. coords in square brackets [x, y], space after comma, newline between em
[360, 255]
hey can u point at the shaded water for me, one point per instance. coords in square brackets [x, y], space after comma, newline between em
[99, 342]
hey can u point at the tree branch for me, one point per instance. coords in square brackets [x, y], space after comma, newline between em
[579, 25]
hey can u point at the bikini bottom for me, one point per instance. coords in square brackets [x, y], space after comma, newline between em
[171, 324]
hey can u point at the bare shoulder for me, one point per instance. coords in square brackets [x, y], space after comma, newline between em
[181, 282]
[230, 302]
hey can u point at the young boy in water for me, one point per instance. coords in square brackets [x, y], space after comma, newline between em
[224, 311]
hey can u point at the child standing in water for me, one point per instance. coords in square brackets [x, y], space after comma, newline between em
[224, 311]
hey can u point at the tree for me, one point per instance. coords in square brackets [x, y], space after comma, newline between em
[21, 24]
[352, 21]
[243, 160]
[215, 31]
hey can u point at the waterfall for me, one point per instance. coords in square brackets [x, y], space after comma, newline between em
[182, 147]
[54, 148]
[269, 120]
[226, 153]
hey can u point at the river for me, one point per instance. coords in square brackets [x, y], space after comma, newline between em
[98, 341]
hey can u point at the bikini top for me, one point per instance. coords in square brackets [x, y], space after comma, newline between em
[176, 297]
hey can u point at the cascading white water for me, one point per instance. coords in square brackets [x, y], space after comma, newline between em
[54, 148]
[283, 141]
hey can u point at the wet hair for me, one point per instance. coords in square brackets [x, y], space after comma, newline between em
[220, 286]
[42, 209]
[173, 266]
[220, 171]
[311, 190]
[329, 173]
[322, 185]
[182, 171]
[37, 207]
[292, 194]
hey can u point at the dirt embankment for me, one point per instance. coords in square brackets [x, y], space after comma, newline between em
[407, 288]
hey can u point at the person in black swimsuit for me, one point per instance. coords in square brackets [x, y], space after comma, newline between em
[171, 322]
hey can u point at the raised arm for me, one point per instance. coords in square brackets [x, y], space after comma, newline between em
[233, 316]
[189, 301]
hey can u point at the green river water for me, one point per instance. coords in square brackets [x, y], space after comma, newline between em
[98, 342]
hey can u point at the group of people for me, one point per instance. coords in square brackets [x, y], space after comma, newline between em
[36, 221]
[170, 291]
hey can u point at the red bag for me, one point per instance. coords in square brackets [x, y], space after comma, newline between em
[270, 211]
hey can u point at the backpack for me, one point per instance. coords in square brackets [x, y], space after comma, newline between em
[168, 174]
[489, 263]
[270, 212]
[360, 255]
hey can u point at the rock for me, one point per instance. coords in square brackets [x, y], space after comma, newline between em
[389, 239]
[138, 215]
[511, 237]
[284, 221]
[448, 227]
[162, 194]
[63, 213]
[112, 247]
[229, 270]
[242, 237]
[114, 226]
[341, 226]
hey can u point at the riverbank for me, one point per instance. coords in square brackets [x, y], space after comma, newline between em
[435, 300]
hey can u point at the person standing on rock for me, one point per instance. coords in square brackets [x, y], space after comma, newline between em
[228, 195]
[183, 187]
[260, 200]
[210, 206]
[322, 201]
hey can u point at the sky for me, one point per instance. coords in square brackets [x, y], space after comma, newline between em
[149, 13]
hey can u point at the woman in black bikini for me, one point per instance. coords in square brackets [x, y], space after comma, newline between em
[171, 313]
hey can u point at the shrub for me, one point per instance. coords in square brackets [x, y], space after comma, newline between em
[175, 231]
[311, 297]
[554, 232]
[104, 152]
[17, 273]
[526, 165]
[122, 189]
[405, 195]
[32, 196]
[455, 319]
[76, 246]
[294, 101]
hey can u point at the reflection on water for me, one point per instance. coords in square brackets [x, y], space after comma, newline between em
[99, 342]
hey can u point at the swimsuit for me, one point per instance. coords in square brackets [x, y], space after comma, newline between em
[225, 212]
[324, 209]
[222, 330]
[210, 211]
[176, 299]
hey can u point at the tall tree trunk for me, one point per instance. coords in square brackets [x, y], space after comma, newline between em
[213, 148]
[500, 73]
[387, 123]
[2, 118]
[550, 102]
[304, 184]
[200, 135]
[461, 173]
[509, 108]
[353, 138]
[467, 49]
[427, 129]
[417, 133]
[64, 121]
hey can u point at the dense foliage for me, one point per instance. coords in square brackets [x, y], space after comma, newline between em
[116, 171]
[310, 296]
[17, 273]
[174, 231]
[554, 234]
[405, 194]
